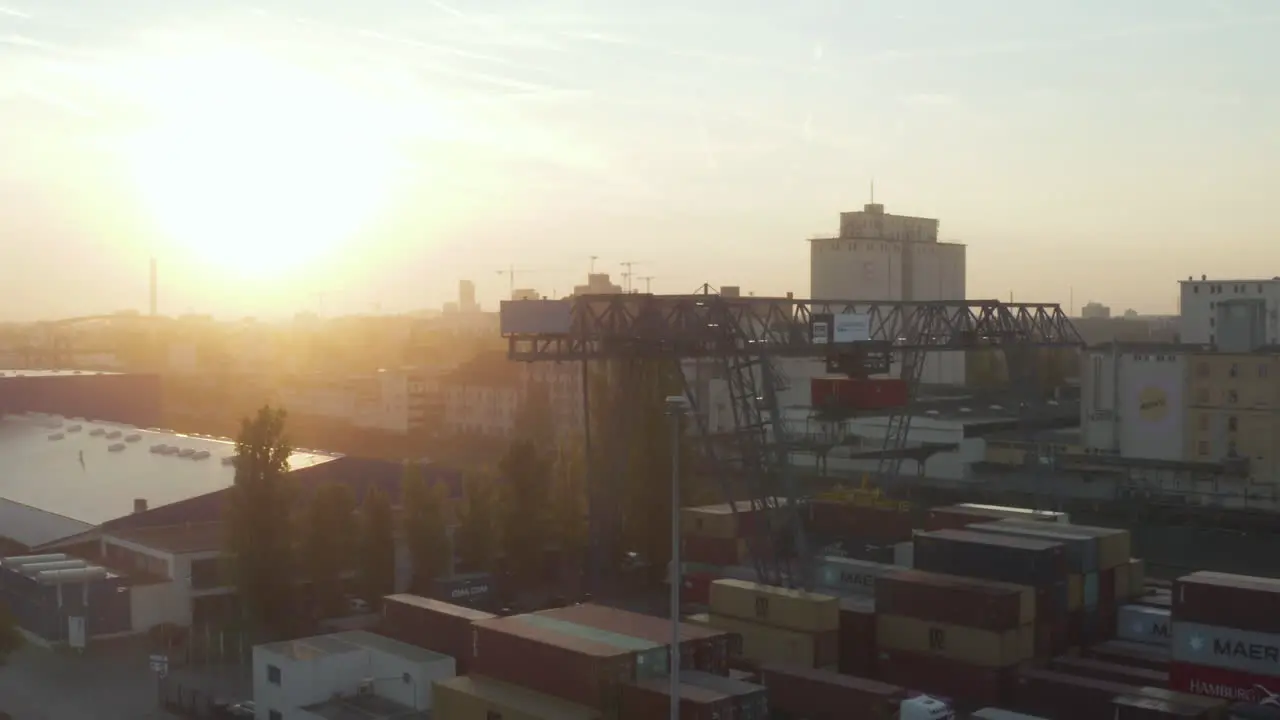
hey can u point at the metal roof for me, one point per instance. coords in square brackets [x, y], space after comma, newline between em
[6, 373]
[32, 526]
[93, 471]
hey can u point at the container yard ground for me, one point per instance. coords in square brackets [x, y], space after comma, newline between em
[112, 680]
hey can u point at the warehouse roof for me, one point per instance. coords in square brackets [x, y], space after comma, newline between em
[184, 538]
[51, 373]
[347, 642]
[31, 526]
[92, 471]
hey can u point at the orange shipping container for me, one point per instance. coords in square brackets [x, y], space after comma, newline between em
[984, 648]
[475, 697]
[717, 521]
[775, 606]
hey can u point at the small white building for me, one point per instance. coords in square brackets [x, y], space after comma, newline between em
[348, 674]
[1234, 315]
[1133, 400]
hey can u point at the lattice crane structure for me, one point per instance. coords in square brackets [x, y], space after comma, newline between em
[742, 337]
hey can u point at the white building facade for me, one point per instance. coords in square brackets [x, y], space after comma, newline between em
[293, 680]
[1133, 401]
[1229, 314]
[883, 257]
[393, 401]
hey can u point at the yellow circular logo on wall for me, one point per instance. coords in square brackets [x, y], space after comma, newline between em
[1153, 404]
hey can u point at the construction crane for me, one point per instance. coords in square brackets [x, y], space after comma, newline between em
[742, 337]
[647, 280]
[627, 274]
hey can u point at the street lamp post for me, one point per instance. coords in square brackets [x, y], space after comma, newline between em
[676, 407]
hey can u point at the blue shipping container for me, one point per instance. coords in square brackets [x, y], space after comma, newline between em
[1091, 590]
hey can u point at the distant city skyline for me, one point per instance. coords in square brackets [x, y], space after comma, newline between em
[374, 157]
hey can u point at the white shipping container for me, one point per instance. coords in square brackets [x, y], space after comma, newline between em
[923, 707]
[904, 554]
[1142, 624]
[854, 577]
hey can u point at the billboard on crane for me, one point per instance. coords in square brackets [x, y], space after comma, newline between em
[535, 317]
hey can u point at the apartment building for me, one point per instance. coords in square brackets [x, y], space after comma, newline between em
[1233, 411]
[390, 400]
[485, 395]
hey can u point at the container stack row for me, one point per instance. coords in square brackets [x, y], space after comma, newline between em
[713, 545]
[777, 625]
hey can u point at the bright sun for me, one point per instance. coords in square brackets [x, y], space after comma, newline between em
[258, 167]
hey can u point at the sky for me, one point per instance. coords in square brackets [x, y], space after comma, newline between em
[354, 157]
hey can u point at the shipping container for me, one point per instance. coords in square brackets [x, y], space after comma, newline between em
[651, 699]
[1104, 670]
[1138, 623]
[764, 643]
[651, 658]
[713, 550]
[1215, 707]
[1081, 550]
[1137, 578]
[855, 576]
[998, 714]
[969, 686]
[1156, 598]
[1075, 592]
[1121, 593]
[845, 393]
[695, 588]
[857, 644]
[1227, 600]
[750, 699]
[569, 667]
[779, 607]
[1250, 711]
[985, 648]
[1227, 648]
[993, 557]
[701, 648]
[718, 521]
[879, 520]
[1228, 685]
[971, 602]
[475, 697]
[958, 517]
[1129, 707]
[432, 624]
[1130, 653]
[1060, 695]
[475, 590]
[821, 694]
[1091, 586]
[1115, 545]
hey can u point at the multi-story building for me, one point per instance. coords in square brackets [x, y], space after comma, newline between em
[1231, 315]
[485, 396]
[1234, 410]
[880, 256]
[1133, 401]
[393, 401]
[1095, 311]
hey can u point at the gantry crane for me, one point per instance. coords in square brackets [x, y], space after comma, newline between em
[742, 337]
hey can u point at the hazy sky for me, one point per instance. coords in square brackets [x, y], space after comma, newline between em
[374, 152]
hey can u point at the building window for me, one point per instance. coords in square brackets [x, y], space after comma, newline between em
[1262, 371]
[1235, 370]
[1231, 449]
[1202, 396]
[1202, 447]
[1233, 424]
[273, 674]
[1233, 397]
[1203, 422]
[1202, 369]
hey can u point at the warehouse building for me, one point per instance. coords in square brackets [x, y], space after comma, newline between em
[353, 674]
[144, 507]
[133, 398]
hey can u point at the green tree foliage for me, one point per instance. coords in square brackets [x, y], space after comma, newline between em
[377, 547]
[526, 475]
[477, 531]
[258, 526]
[327, 551]
[568, 495]
[534, 421]
[424, 524]
[11, 639]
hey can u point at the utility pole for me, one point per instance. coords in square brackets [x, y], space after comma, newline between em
[594, 258]
[627, 275]
[647, 279]
[510, 272]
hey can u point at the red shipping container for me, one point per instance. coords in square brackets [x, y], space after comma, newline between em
[545, 661]
[701, 648]
[1226, 600]
[1114, 672]
[858, 394]
[696, 589]
[875, 524]
[857, 650]
[711, 550]
[432, 624]
[955, 600]
[1059, 695]
[819, 694]
[651, 700]
[1151, 657]
[1229, 685]
[969, 686]
[1106, 587]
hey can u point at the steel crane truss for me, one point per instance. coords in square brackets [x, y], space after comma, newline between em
[597, 327]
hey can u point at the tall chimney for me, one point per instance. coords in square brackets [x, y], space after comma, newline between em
[153, 287]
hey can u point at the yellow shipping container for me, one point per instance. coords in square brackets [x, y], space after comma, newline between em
[779, 607]
[1137, 577]
[972, 646]
[1075, 592]
[763, 643]
[716, 521]
[474, 697]
[1122, 581]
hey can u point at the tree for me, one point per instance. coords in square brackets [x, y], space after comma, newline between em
[535, 420]
[258, 526]
[476, 534]
[377, 547]
[568, 495]
[527, 484]
[424, 525]
[330, 524]
[11, 639]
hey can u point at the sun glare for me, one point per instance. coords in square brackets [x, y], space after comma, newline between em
[257, 167]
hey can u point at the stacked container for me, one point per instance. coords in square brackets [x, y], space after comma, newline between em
[776, 624]
[1059, 696]
[701, 648]
[824, 695]
[1038, 564]
[703, 696]
[1144, 624]
[857, 643]
[959, 637]
[958, 517]
[1226, 636]
[475, 697]
[713, 545]
[851, 578]
[431, 624]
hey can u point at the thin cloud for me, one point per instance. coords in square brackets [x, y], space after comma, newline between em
[10, 12]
